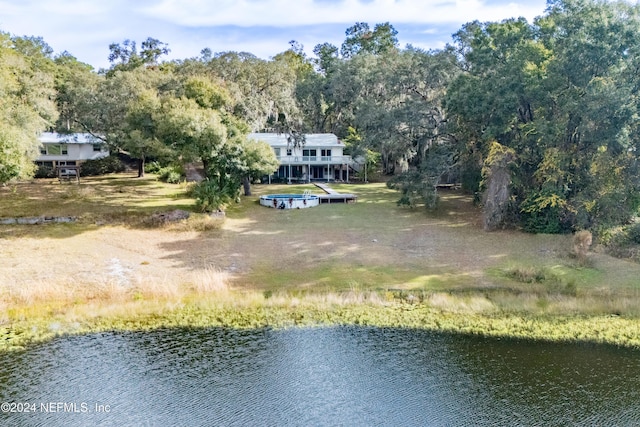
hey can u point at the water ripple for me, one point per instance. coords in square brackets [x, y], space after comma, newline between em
[321, 376]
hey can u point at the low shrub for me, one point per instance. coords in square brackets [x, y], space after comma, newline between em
[528, 274]
[45, 172]
[622, 241]
[171, 174]
[633, 233]
[623, 235]
[209, 196]
[103, 166]
[152, 167]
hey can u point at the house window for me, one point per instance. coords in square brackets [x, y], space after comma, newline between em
[326, 153]
[309, 154]
[43, 151]
[57, 149]
[97, 148]
[288, 151]
[277, 151]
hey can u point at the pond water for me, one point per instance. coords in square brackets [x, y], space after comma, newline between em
[348, 376]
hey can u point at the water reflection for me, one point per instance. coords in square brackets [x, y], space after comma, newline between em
[323, 376]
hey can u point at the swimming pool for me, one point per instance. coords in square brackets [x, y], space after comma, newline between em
[290, 201]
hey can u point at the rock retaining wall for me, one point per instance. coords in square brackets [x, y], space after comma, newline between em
[38, 220]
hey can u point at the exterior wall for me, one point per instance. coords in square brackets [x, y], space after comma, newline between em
[75, 152]
[321, 158]
[79, 148]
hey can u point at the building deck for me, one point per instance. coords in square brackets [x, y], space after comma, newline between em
[333, 196]
[337, 198]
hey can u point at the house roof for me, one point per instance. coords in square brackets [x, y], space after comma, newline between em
[311, 139]
[73, 138]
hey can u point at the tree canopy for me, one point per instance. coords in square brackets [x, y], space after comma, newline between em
[26, 103]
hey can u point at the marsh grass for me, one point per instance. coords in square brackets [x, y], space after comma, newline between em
[441, 312]
[49, 292]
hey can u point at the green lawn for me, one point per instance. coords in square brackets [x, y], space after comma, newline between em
[92, 196]
[374, 244]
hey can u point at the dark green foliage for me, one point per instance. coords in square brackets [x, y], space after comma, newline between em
[561, 94]
[470, 179]
[544, 221]
[633, 231]
[211, 195]
[152, 167]
[413, 189]
[171, 174]
[529, 274]
[620, 237]
[45, 172]
[553, 283]
[361, 39]
[419, 185]
[103, 166]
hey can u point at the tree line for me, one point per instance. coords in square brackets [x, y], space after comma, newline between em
[539, 120]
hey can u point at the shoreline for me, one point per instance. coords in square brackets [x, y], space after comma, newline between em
[26, 329]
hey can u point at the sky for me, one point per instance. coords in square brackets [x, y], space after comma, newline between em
[86, 28]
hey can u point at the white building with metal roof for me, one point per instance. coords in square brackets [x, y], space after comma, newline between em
[320, 158]
[69, 150]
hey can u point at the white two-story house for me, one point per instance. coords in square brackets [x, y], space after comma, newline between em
[320, 158]
[58, 150]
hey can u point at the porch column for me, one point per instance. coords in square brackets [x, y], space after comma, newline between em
[289, 173]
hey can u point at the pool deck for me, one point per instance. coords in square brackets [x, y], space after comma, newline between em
[333, 196]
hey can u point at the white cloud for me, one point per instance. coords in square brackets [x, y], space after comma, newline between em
[262, 27]
[284, 13]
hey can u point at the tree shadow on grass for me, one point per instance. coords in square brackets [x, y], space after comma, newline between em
[121, 199]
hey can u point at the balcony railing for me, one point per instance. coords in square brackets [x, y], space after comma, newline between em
[320, 160]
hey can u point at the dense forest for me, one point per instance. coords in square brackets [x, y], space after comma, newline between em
[538, 120]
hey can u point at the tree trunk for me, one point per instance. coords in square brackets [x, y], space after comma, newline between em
[141, 167]
[247, 186]
[205, 166]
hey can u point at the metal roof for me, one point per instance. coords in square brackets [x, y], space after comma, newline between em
[311, 139]
[73, 138]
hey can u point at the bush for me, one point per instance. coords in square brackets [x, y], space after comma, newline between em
[208, 196]
[103, 166]
[152, 167]
[546, 212]
[528, 274]
[621, 241]
[211, 196]
[45, 172]
[171, 174]
[633, 233]
[621, 236]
